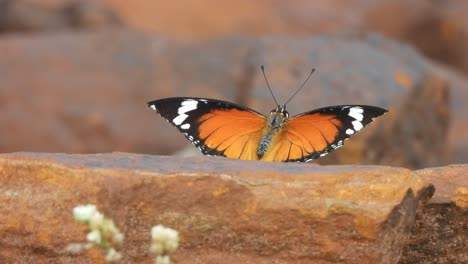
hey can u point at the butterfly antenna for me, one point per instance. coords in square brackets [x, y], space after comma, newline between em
[313, 70]
[266, 80]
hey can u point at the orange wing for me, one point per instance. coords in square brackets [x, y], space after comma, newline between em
[231, 133]
[314, 134]
[216, 127]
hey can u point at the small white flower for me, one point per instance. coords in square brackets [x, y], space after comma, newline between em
[102, 232]
[94, 237]
[83, 213]
[164, 240]
[171, 245]
[118, 238]
[163, 260]
[156, 248]
[113, 255]
[161, 233]
[96, 220]
[156, 231]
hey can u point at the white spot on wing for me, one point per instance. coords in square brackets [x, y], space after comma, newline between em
[153, 107]
[357, 125]
[185, 126]
[179, 119]
[349, 131]
[356, 113]
[186, 106]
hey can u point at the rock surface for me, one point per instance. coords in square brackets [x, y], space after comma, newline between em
[92, 96]
[458, 139]
[440, 234]
[55, 15]
[226, 210]
[437, 28]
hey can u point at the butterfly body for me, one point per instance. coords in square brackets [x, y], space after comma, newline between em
[221, 128]
[275, 123]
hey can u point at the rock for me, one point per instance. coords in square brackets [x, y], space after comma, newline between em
[226, 210]
[458, 139]
[303, 18]
[78, 114]
[92, 97]
[55, 15]
[440, 234]
[437, 28]
[451, 184]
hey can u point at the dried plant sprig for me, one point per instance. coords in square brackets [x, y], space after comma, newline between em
[164, 242]
[102, 231]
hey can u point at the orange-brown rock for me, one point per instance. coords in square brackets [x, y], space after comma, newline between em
[440, 234]
[458, 139]
[227, 211]
[55, 15]
[437, 28]
[92, 95]
[89, 90]
[451, 184]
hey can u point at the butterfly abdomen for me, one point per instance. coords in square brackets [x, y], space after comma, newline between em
[264, 144]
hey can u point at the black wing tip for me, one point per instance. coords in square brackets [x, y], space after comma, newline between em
[380, 111]
[377, 111]
[151, 105]
[153, 102]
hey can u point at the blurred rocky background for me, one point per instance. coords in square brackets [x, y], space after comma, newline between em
[75, 74]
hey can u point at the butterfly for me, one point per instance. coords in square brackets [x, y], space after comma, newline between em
[221, 128]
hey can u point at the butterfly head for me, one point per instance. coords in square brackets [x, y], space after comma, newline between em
[281, 110]
[277, 117]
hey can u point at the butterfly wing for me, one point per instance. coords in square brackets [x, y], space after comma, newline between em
[316, 133]
[217, 128]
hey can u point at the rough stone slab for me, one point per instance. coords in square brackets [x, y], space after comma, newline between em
[55, 15]
[226, 210]
[92, 97]
[440, 234]
[451, 184]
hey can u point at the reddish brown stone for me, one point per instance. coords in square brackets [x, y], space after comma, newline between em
[437, 28]
[458, 139]
[55, 15]
[92, 95]
[440, 234]
[451, 183]
[226, 210]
